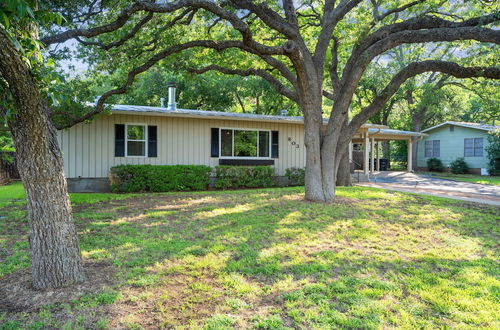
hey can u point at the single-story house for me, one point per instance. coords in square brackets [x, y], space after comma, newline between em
[169, 136]
[451, 140]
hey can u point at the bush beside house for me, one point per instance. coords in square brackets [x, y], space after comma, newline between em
[459, 166]
[435, 165]
[162, 178]
[159, 178]
[244, 177]
[295, 176]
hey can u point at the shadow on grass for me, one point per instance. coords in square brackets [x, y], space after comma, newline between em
[373, 259]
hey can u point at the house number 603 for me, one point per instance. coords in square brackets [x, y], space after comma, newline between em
[293, 143]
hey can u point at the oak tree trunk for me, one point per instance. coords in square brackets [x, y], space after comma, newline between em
[55, 252]
[319, 176]
[344, 171]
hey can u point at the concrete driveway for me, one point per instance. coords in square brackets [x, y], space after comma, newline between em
[428, 185]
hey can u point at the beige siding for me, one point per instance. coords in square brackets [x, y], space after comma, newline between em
[88, 149]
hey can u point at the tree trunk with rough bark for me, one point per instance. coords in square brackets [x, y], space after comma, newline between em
[55, 252]
[319, 181]
[343, 177]
[344, 172]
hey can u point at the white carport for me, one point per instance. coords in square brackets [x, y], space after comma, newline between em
[371, 138]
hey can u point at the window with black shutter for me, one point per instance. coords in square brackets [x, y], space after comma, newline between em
[119, 140]
[274, 144]
[214, 145]
[152, 141]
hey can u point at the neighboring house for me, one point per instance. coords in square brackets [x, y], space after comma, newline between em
[451, 140]
[169, 136]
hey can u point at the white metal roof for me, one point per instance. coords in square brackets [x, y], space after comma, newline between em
[464, 124]
[388, 131]
[189, 113]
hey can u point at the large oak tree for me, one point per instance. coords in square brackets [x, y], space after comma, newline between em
[309, 51]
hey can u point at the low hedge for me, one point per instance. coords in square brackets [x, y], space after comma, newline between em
[244, 177]
[296, 176]
[159, 178]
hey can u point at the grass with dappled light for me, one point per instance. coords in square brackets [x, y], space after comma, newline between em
[267, 259]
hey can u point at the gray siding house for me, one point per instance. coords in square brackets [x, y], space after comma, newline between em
[451, 140]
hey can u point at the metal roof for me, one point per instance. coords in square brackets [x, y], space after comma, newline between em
[464, 124]
[388, 131]
[158, 111]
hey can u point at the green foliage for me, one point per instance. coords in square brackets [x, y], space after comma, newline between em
[244, 176]
[493, 152]
[459, 166]
[435, 165]
[296, 176]
[159, 178]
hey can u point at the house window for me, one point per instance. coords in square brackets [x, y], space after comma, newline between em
[245, 143]
[432, 148]
[473, 147]
[136, 140]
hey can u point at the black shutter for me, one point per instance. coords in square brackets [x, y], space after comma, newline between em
[152, 142]
[215, 143]
[274, 144]
[119, 140]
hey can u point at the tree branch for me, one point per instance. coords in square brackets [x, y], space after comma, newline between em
[357, 63]
[282, 89]
[290, 13]
[377, 17]
[334, 76]
[269, 17]
[412, 70]
[219, 46]
[330, 20]
[121, 41]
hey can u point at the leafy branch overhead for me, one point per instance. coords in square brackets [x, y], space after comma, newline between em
[290, 53]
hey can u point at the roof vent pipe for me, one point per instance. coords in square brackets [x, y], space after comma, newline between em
[162, 102]
[172, 105]
[283, 112]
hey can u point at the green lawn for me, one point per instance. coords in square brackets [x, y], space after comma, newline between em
[266, 259]
[493, 180]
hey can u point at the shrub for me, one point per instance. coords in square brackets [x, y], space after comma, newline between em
[493, 152]
[434, 165]
[296, 176]
[244, 177]
[459, 166]
[159, 178]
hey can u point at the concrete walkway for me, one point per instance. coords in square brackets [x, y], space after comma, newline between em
[428, 185]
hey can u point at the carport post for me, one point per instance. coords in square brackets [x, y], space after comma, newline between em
[377, 161]
[409, 164]
[373, 155]
[366, 156]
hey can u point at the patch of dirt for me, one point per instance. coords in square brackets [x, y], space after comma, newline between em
[16, 293]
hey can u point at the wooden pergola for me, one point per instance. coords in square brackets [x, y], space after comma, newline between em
[371, 136]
